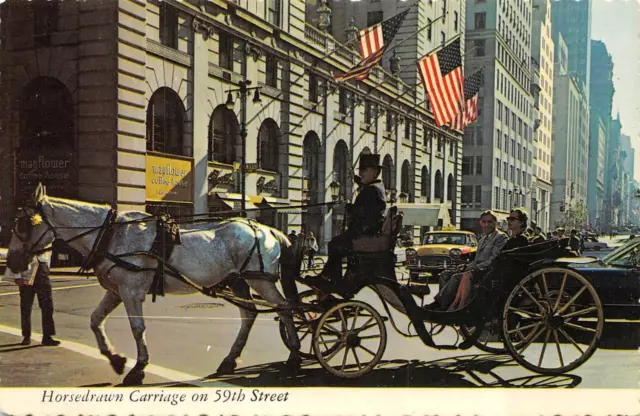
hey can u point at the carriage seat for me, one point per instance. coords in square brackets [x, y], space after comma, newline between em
[531, 252]
[386, 240]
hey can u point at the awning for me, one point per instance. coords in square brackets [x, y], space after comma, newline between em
[228, 201]
[426, 215]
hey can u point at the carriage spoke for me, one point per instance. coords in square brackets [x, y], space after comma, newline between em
[334, 353]
[542, 309]
[564, 280]
[306, 333]
[580, 312]
[580, 327]
[573, 299]
[555, 335]
[531, 337]
[544, 347]
[355, 318]
[367, 350]
[546, 288]
[353, 351]
[567, 336]
[345, 326]
[330, 328]
[371, 336]
[533, 314]
[344, 359]
[364, 328]
[323, 341]
[519, 329]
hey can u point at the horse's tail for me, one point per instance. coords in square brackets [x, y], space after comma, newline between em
[290, 259]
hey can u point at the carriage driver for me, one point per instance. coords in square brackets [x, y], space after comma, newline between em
[365, 218]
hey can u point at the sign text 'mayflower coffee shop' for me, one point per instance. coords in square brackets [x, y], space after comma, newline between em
[169, 179]
[54, 168]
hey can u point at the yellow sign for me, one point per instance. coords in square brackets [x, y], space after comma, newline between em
[169, 179]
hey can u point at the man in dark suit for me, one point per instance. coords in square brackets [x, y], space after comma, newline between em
[365, 216]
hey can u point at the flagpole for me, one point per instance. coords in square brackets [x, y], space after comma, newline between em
[322, 58]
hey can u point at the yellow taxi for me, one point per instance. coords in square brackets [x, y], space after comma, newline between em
[434, 254]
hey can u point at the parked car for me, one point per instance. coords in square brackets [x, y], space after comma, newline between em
[616, 278]
[592, 243]
[434, 254]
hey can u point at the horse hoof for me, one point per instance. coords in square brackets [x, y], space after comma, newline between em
[117, 363]
[133, 378]
[227, 366]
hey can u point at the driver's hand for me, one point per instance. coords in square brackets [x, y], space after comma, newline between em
[461, 267]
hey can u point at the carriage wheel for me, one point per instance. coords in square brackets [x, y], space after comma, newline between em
[356, 341]
[306, 326]
[552, 321]
[490, 333]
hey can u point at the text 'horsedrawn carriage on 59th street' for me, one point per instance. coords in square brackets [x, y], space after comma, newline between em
[548, 317]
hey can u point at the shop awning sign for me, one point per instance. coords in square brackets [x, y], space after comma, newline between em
[169, 179]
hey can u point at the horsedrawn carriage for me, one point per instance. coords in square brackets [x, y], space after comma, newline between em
[545, 315]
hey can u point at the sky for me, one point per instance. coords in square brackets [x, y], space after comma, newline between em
[617, 24]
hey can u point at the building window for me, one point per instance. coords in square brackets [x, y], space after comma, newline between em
[467, 197]
[478, 165]
[269, 142]
[389, 121]
[168, 25]
[438, 183]
[374, 18]
[478, 195]
[343, 103]
[440, 145]
[223, 134]
[45, 20]
[165, 123]
[443, 37]
[499, 110]
[272, 71]
[498, 167]
[368, 110]
[455, 21]
[479, 136]
[467, 165]
[313, 88]
[479, 45]
[451, 148]
[225, 53]
[407, 129]
[429, 29]
[498, 139]
[480, 20]
[274, 12]
[497, 193]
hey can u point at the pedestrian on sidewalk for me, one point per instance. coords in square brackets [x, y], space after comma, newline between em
[311, 247]
[40, 286]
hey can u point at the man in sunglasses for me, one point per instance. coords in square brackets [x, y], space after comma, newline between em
[489, 246]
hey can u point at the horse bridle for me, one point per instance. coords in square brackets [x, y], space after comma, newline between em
[38, 211]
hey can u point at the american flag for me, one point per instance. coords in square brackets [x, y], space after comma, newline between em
[441, 74]
[469, 112]
[373, 42]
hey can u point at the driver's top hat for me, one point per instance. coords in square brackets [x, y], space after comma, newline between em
[370, 161]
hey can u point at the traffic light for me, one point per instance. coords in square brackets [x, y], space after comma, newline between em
[562, 207]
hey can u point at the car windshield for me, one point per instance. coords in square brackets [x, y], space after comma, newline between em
[621, 256]
[445, 238]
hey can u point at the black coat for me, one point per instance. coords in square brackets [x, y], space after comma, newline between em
[516, 242]
[367, 211]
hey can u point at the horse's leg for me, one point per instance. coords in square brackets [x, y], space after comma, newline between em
[109, 302]
[132, 299]
[248, 317]
[270, 293]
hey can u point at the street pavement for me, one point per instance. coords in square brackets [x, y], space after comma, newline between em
[188, 336]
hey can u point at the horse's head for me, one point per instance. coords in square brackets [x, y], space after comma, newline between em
[32, 232]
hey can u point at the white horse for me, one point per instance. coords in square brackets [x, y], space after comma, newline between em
[207, 255]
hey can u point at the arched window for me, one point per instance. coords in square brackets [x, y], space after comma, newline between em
[387, 173]
[311, 166]
[341, 166]
[223, 132]
[46, 117]
[425, 185]
[438, 185]
[165, 123]
[268, 145]
[451, 187]
[404, 177]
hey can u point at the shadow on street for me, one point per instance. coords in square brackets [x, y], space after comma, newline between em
[466, 371]
[620, 336]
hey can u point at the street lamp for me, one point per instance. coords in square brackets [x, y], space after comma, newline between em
[335, 190]
[244, 90]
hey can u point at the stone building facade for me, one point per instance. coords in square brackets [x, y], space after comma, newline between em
[136, 104]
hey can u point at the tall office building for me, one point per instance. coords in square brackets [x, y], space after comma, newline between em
[434, 172]
[600, 103]
[573, 19]
[542, 52]
[498, 149]
[571, 136]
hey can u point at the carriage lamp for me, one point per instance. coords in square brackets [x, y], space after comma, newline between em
[335, 190]
[403, 197]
